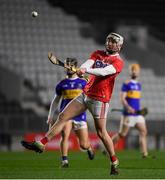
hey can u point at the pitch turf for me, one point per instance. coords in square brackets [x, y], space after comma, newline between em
[29, 165]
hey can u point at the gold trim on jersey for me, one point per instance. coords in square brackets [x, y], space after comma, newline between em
[134, 94]
[71, 93]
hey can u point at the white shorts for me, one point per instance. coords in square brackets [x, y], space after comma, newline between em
[79, 125]
[131, 121]
[98, 109]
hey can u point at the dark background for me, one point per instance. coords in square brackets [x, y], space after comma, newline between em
[76, 28]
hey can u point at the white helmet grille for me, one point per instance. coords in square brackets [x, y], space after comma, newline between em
[116, 37]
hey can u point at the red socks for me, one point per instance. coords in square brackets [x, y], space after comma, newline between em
[44, 140]
[113, 158]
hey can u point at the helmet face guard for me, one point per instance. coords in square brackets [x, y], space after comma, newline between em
[71, 62]
[114, 42]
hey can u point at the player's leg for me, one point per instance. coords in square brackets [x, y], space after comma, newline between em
[64, 144]
[100, 125]
[123, 130]
[73, 109]
[141, 126]
[99, 112]
[81, 131]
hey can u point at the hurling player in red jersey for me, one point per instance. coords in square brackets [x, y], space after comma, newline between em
[103, 67]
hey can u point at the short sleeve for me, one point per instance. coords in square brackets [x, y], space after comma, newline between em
[124, 87]
[84, 82]
[94, 55]
[118, 65]
[58, 89]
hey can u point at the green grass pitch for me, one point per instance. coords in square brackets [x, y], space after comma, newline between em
[29, 165]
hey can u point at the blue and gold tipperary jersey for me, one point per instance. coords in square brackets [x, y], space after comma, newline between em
[70, 88]
[133, 90]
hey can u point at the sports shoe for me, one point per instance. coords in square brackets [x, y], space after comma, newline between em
[65, 164]
[149, 156]
[91, 154]
[36, 146]
[114, 168]
[104, 152]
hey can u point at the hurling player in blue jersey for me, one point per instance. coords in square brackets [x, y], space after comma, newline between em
[130, 99]
[66, 90]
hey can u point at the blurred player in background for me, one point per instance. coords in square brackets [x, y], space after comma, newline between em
[66, 90]
[103, 67]
[130, 98]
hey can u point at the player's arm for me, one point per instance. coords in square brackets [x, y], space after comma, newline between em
[125, 103]
[87, 68]
[88, 64]
[53, 107]
[108, 70]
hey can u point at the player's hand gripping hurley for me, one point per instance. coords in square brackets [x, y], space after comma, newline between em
[143, 111]
[53, 59]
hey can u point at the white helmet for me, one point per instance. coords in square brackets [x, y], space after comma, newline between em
[114, 38]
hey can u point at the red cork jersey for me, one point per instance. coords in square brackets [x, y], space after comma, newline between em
[101, 87]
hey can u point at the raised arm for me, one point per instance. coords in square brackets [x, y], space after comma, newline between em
[87, 68]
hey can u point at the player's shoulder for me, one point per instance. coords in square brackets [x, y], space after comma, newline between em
[117, 57]
[62, 81]
[101, 52]
[82, 79]
[127, 81]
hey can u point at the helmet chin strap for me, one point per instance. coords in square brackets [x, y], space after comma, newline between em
[111, 51]
[70, 73]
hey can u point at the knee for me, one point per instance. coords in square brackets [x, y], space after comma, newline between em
[101, 133]
[143, 133]
[121, 135]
